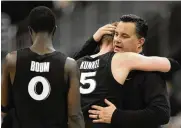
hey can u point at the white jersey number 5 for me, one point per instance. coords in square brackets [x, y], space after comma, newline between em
[32, 88]
[85, 80]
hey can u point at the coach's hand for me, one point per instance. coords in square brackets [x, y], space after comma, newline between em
[106, 29]
[102, 114]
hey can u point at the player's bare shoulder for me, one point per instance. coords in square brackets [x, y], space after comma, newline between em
[70, 60]
[124, 59]
[70, 64]
[11, 59]
[117, 59]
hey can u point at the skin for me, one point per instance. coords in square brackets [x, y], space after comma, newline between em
[125, 38]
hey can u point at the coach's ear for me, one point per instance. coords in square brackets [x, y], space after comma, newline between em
[141, 43]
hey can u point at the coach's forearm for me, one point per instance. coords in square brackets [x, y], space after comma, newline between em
[76, 121]
[139, 118]
[88, 48]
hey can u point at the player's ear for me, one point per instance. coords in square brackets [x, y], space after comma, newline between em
[31, 33]
[53, 31]
[30, 30]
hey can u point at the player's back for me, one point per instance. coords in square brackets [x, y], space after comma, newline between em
[39, 90]
[97, 83]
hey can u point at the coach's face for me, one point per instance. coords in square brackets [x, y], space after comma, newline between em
[125, 38]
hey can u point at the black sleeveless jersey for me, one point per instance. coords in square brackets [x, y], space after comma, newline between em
[40, 91]
[97, 82]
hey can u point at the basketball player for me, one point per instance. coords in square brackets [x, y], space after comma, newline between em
[44, 82]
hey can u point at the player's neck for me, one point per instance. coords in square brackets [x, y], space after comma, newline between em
[42, 44]
[105, 50]
[102, 51]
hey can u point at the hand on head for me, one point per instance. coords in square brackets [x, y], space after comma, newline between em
[106, 29]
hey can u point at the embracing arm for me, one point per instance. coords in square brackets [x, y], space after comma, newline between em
[136, 61]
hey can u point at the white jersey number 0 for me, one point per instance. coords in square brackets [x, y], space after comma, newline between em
[32, 88]
[85, 80]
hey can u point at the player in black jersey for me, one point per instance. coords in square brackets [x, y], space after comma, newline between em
[44, 83]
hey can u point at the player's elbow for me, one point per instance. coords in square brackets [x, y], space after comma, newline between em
[76, 115]
[76, 120]
[3, 114]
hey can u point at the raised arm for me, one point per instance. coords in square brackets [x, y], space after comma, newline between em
[87, 49]
[91, 44]
[75, 116]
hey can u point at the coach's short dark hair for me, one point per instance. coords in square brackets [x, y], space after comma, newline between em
[141, 25]
[42, 19]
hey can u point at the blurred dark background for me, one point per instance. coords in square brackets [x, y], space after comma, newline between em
[77, 21]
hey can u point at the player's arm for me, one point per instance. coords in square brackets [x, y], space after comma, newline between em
[87, 49]
[75, 115]
[135, 61]
[92, 43]
[5, 86]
